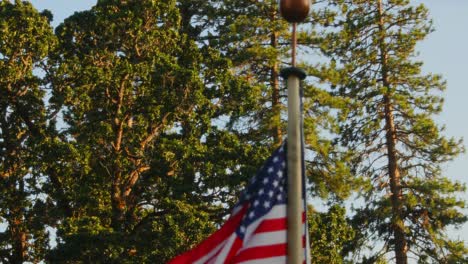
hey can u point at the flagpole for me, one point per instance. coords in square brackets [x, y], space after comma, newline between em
[294, 11]
[294, 152]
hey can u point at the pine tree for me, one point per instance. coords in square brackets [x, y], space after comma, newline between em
[389, 125]
[258, 41]
[26, 39]
[250, 34]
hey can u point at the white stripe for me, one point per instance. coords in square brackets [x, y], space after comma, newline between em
[236, 210]
[307, 240]
[210, 254]
[221, 257]
[206, 257]
[277, 211]
[265, 239]
[307, 254]
[274, 260]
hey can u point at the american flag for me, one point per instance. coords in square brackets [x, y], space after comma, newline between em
[256, 232]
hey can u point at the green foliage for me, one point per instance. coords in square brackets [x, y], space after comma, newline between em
[257, 41]
[131, 97]
[329, 234]
[388, 125]
[26, 39]
[133, 129]
[144, 126]
[88, 239]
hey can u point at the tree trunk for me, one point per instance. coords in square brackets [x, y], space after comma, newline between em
[19, 242]
[118, 201]
[17, 231]
[118, 206]
[395, 186]
[398, 226]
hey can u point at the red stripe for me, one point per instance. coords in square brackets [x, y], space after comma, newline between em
[261, 252]
[234, 249]
[267, 225]
[212, 241]
[236, 245]
[278, 224]
[271, 225]
[215, 255]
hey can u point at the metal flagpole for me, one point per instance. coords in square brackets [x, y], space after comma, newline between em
[294, 11]
[295, 203]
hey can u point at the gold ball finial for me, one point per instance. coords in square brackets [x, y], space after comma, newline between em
[294, 11]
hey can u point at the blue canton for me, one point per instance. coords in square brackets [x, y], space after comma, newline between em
[266, 189]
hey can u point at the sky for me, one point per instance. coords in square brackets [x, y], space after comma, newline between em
[443, 52]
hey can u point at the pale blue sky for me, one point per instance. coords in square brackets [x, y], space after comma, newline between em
[444, 52]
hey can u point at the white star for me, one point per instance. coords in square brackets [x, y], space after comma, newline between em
[279, 197]
[275, 159]
[281, 188]
[275, 183]
[283, 164]
[261, 191]
[265, 181]
[266, 204]
[280, 174]
[251, 214]
[271, 169]
[270, 194]
[256, 202]
[242, 229]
